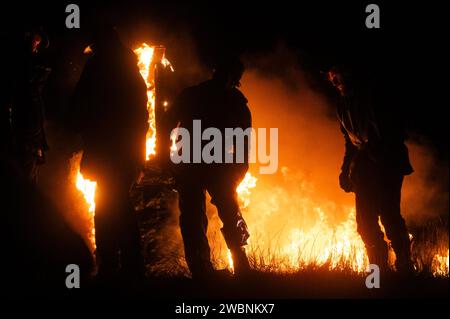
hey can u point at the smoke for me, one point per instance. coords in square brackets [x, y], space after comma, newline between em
[425, 192]
[310, 142]
[281, 95]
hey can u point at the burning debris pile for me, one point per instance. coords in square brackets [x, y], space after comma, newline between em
[293, 227]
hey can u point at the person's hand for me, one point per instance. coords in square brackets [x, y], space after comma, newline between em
[345, 183]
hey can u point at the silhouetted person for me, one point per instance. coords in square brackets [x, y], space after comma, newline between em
[111, 116]
[219, 104]
[375, 162]
[39, 243]
[23, 143]
[24, 103]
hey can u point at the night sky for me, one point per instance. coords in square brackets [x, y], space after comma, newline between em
[411, 48]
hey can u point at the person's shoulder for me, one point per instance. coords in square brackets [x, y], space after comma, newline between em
[241, 106]
[130, 55]
[194, 90]
[186, 92]
[186, 96]
[239, 96]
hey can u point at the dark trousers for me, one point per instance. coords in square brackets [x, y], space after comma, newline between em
[378, 193]
[194, 222]
[116, 229]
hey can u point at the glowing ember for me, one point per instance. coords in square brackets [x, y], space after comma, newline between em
[87, 50]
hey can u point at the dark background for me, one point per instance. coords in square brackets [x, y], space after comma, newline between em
[410, 50]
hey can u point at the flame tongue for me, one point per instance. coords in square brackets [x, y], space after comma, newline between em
[87, 187]
[146, 63]
[244, 189]
[145, 55]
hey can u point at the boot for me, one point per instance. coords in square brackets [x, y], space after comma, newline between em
[403, 263]
[402, 249]
[378, 255]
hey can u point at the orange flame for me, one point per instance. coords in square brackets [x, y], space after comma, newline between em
[87, 189]
[244, 189]
[440, 265]
[145, 54]
[334, 245]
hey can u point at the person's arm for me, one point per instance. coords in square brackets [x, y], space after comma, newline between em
[244, 122]
[350, 149]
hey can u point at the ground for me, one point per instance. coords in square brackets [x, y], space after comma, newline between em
[315, 284]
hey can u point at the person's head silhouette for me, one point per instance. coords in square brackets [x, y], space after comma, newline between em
[228, 71]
